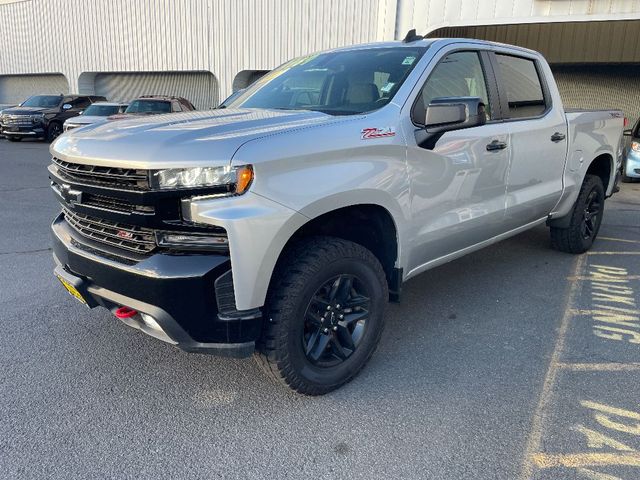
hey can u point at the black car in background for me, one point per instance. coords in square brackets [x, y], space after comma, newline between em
[42, 116]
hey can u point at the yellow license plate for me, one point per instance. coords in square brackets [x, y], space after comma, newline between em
[73, 291]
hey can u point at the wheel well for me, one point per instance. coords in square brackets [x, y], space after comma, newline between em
[601, 166]
[368, 225]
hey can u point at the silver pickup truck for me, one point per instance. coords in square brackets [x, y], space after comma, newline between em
[283, 223]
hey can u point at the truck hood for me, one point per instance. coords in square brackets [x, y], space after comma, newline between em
[27, 110]
[85, 119]
[179, 140]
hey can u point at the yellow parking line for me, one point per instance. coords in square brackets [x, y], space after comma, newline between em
[611, 239]
[535, 436]
[600, 367]
[577, 460]
[613, 253]
[621, 279]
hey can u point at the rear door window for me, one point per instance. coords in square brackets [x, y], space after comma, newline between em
[522, 85]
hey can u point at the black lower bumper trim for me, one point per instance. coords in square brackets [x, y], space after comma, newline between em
[177, 291]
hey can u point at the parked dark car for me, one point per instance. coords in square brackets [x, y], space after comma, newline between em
[154, 105]
[42, 116]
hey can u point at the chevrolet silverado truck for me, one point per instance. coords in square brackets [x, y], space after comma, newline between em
[283, 224]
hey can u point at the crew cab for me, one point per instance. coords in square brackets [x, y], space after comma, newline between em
[42, 116]
[282, 224]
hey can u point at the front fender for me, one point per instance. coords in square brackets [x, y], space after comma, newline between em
[258, 229]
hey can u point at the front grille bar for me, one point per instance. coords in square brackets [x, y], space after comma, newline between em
[128, 178]
[128, 237]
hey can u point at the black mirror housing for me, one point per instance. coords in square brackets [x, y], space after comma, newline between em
[454, 113]
[626, 132]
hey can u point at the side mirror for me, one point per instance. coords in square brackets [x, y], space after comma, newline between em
[626, 132]
[66, 106]
[454, 113]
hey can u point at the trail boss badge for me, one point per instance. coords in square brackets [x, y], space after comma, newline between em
[371, 133]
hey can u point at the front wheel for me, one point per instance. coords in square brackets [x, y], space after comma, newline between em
[13, 139]
[324, 315]
[53, 131]
[585, 221]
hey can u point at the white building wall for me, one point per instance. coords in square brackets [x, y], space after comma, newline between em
[428, 15]
[220, 36]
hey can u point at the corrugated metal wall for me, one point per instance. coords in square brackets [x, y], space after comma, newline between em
[429, 15]
[584, 42]
[598, 86]
[223, 37]
[15, 88]
[197, 87]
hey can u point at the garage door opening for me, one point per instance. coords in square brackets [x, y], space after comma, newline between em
[15, 89]
[246, 78]
[200, 88]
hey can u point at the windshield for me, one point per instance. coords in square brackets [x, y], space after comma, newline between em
[149, 106]
[42, 101]
[101, 110]
[339, 83]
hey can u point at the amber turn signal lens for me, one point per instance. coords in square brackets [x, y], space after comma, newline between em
[245, 177]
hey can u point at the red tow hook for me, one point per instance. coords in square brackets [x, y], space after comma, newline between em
[125, 312]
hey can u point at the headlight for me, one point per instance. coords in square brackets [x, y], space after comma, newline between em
[36, 118]
[635, 146]
[236, 180]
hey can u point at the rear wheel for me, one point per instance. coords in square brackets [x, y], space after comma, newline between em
[586, 218]
[325, 315]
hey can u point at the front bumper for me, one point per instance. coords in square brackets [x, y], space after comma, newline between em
[186, 295]
[35, 131]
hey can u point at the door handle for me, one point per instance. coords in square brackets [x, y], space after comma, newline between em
[496, 145]
[558, 137]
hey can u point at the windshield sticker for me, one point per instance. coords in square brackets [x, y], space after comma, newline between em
[408, 60]
[387, 88]
[371, 133]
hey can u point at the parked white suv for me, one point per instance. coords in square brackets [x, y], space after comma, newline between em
[283, 223]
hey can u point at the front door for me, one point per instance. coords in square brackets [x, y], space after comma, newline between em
[457, 181]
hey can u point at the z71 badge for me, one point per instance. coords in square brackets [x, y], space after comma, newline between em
[371, 133]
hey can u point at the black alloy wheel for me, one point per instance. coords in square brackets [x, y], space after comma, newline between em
[591, 216]
[584, 220]
[54, 131]
[335, 321]
[324, 314]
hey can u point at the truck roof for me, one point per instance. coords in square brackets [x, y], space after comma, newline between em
[427, 42]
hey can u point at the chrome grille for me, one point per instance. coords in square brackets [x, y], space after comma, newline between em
[114, 204]
[22, 120]
[129, 237]
[121, 178]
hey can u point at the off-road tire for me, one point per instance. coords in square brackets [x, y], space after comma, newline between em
[571, 239]
[305, 266]
[54, 130]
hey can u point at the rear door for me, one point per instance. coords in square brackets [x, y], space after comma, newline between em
[537, 137]
[458, 185]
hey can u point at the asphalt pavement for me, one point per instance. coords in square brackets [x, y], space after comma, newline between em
[514, 362]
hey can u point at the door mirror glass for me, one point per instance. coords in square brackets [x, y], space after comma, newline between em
[454, 113]
[66, 106]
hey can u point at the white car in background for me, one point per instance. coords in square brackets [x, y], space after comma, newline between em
[95, 112]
